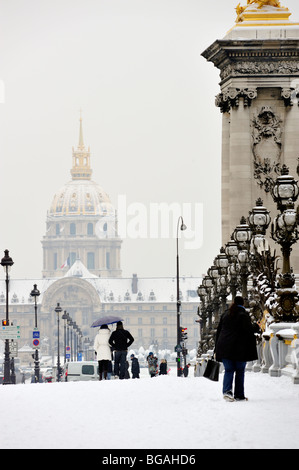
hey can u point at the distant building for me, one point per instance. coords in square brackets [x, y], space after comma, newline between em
[81, 224]
[81, 271]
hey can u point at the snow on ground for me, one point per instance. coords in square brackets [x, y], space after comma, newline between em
[165, 412]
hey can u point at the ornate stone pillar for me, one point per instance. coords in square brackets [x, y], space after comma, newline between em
[259, 70]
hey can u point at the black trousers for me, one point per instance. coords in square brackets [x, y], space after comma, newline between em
[103, 366]
[120, 358]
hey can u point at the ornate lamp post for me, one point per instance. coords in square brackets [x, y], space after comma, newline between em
[242, 235]
[222, 263]
[284, 231]
[64, 318]
[35, 293]
[181, 226]
[202, 313]
[209, 285]
[7, 263]
[231, 250]
[259, 220]
[58, 310]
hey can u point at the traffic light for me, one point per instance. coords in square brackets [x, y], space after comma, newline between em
[184, 335]
[4, 322]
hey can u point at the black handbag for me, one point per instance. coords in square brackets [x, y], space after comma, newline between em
[212, 370]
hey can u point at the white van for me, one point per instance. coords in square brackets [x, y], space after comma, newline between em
[84, 370]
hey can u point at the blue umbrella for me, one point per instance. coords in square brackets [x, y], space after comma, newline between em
[108, 320]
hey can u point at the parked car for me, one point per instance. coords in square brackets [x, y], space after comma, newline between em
[85, 370]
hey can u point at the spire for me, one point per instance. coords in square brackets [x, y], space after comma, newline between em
[81, 158]
[81, 142]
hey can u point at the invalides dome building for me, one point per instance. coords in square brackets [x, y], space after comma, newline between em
[81, 224]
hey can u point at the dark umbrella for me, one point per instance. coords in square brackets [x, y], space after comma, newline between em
[108, 320]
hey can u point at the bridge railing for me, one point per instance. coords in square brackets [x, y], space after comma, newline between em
[278, 353]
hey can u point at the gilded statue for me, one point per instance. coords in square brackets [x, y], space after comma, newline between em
[261, 3]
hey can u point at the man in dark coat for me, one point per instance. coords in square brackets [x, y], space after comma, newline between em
[235, 345]
[120, 340]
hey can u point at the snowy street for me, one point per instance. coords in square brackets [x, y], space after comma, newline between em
[164, 412]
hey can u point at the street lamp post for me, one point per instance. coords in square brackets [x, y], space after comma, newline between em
[242, 235]
[284, 231]
[65, 317]
[35, 293]
[180, 226]
[58, 310]
[7, 262]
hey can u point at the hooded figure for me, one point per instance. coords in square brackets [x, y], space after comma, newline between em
[103, 350]
[135, 367]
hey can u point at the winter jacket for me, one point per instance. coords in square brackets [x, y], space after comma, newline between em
[235, 339]
[152, 365]
[121, 339]
[101, 345]
[163, 368]
[135, 369]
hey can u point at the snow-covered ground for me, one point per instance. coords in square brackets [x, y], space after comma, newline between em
[164, 412]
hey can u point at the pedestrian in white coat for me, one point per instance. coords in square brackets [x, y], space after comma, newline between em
[103, 350]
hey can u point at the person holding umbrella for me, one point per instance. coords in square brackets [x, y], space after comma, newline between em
[120, 340]
[103, 351]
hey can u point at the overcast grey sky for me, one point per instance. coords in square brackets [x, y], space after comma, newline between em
[147, 99]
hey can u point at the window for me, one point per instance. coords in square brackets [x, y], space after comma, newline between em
[139, 321]
[90, 229]
[164, 320]
[57, 229]
[90, 260]
[139, 332]
[108, 260]
[152, 333]
[55, 261]
[72, 229]
[88, 370]
[164, 332]
[72, 258]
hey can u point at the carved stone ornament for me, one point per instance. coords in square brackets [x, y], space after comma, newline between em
[281, 67]
[266, 148]
[230, 98]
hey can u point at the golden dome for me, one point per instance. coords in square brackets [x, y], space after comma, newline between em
[81, 196]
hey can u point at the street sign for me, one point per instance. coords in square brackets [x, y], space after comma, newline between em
[35, 334]
[178, 348]
[35, 342]
[13, 348]
[10, 332]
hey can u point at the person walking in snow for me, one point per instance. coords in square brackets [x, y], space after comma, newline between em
[234, 346]
[135, 368]
[120, 340]
[103, 351]
[152, 364]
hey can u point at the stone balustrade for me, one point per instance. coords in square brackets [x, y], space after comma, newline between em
[278, 353]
